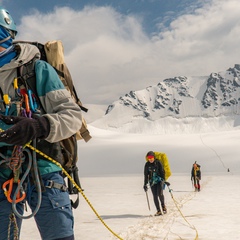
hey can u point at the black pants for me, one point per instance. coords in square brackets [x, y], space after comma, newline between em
[157, 191]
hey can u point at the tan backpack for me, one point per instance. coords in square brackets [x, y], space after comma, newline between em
[55, 56]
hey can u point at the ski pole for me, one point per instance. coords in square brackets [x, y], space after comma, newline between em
[148, 201]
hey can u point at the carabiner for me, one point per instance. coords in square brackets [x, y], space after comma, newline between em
[31, 101]
[26, 100]
[8, 191]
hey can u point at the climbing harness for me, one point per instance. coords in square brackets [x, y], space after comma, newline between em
[155, 179]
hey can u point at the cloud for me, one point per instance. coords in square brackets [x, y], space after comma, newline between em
[205, 40]
[109, 54]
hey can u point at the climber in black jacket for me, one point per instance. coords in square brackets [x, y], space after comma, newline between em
[154, 174]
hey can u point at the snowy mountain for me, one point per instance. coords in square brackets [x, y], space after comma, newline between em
[179, 104]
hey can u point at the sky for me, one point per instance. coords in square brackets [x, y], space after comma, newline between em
[113, 47]
[111, 170]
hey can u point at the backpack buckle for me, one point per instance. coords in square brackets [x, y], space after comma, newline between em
[52, 184]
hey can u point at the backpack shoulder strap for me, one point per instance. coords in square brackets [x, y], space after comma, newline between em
[26, 74]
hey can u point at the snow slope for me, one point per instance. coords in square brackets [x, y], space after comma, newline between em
[121, 202]
[111, 170]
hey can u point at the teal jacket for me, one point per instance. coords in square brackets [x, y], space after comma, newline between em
[62, 112]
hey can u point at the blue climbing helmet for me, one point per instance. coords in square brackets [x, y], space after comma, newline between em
[7, 22]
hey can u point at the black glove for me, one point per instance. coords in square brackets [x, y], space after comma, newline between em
[24, 129]
[145, 188]
[167, 183]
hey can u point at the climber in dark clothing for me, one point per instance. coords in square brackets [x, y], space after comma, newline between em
[154, 175]
[196, 176]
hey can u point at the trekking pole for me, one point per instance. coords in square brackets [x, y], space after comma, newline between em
[148, 201]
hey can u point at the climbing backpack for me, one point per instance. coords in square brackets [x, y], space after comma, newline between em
[162, 157]
[53, 53]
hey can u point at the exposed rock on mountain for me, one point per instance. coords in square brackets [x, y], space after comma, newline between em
[178, 103]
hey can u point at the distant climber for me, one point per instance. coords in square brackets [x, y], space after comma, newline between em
[196, 176]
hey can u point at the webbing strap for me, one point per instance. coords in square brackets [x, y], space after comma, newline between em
[52, 184]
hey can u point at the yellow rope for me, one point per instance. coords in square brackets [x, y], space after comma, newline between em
[191, 226]
[74, 183]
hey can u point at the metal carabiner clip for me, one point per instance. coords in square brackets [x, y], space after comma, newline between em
[8, 191]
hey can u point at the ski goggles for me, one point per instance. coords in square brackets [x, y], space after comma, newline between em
[150, 157]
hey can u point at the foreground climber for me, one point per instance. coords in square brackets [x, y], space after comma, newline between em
[59, 118]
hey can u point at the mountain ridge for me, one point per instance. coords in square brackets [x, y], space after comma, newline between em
[178, 101]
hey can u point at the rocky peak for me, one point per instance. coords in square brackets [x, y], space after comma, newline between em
[178, 98]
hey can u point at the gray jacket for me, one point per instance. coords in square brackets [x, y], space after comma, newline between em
[63, 114]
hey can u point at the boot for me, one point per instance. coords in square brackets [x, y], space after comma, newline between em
[164, 209]
[158, 213]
